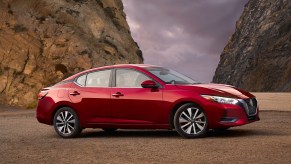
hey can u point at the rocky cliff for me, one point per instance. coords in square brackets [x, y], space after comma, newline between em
[42, 42]
[258, 55]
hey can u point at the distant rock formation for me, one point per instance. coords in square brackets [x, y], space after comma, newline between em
[258, 55]
[45, 41]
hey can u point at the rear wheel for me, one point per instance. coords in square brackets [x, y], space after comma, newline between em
[190, 121]
[66, 123]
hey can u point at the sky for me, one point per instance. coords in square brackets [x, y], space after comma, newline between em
[185, 35]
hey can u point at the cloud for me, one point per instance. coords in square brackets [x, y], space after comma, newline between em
[185, 35]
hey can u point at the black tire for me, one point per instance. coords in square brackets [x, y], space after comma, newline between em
[193, 124]
[66, 123]
[109, 130]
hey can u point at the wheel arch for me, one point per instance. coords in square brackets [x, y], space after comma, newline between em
[58, 107]
[176, 107]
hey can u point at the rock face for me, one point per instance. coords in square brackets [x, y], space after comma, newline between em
[43, 42]
[258, 55]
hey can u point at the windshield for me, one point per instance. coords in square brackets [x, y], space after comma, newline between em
[170, 76]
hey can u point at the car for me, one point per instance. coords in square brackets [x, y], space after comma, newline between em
[141, 96]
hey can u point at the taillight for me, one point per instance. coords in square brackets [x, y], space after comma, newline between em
[42, 94]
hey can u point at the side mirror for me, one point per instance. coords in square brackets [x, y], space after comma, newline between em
[149, 84]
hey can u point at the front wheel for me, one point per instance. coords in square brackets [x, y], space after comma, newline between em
[190, 121]
[66, 123]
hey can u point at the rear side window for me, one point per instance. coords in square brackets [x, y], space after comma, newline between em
[81, 80]
[98, 79]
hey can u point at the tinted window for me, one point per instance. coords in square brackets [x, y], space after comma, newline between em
[98, 79]
[81, 80]
[128, 78]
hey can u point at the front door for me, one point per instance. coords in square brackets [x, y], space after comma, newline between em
[133, 104]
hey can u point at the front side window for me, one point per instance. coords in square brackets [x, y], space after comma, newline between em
[170, 76]
[127, 78]
[98, 79]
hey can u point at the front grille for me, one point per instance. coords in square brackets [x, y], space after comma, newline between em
[250, 106]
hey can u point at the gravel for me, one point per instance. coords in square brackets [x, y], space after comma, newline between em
[24, 140]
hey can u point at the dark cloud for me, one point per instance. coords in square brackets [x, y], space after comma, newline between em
[186, 35]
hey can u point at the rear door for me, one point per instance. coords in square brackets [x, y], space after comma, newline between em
[91, 96]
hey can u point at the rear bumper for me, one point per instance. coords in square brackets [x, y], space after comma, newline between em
[44, 112]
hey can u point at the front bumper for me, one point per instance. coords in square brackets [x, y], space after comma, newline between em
[228, 115]
[233, 117]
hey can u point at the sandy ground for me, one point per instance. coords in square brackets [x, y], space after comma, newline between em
[24, 140]
[274, 101]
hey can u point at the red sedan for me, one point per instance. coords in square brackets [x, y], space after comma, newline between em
[142, 97]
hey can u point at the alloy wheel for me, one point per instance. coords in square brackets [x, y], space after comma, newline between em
[192, 121]
[65, 122]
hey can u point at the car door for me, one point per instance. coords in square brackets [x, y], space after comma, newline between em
[133, 104]
[91, 96]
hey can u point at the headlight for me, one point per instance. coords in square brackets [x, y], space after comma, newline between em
[222, 100]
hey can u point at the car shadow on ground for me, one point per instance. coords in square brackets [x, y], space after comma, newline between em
[131, 133]
[173, 134]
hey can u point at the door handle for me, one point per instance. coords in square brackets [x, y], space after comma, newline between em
[74, 93]
[117, 94]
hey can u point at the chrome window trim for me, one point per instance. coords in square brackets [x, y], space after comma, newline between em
[110, 78]
[89, 86]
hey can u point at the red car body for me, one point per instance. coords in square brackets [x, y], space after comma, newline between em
[136, 108]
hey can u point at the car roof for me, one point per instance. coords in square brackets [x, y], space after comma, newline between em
[110, 67]
[134, 65]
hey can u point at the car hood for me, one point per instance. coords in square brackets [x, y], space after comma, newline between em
[218, 89]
